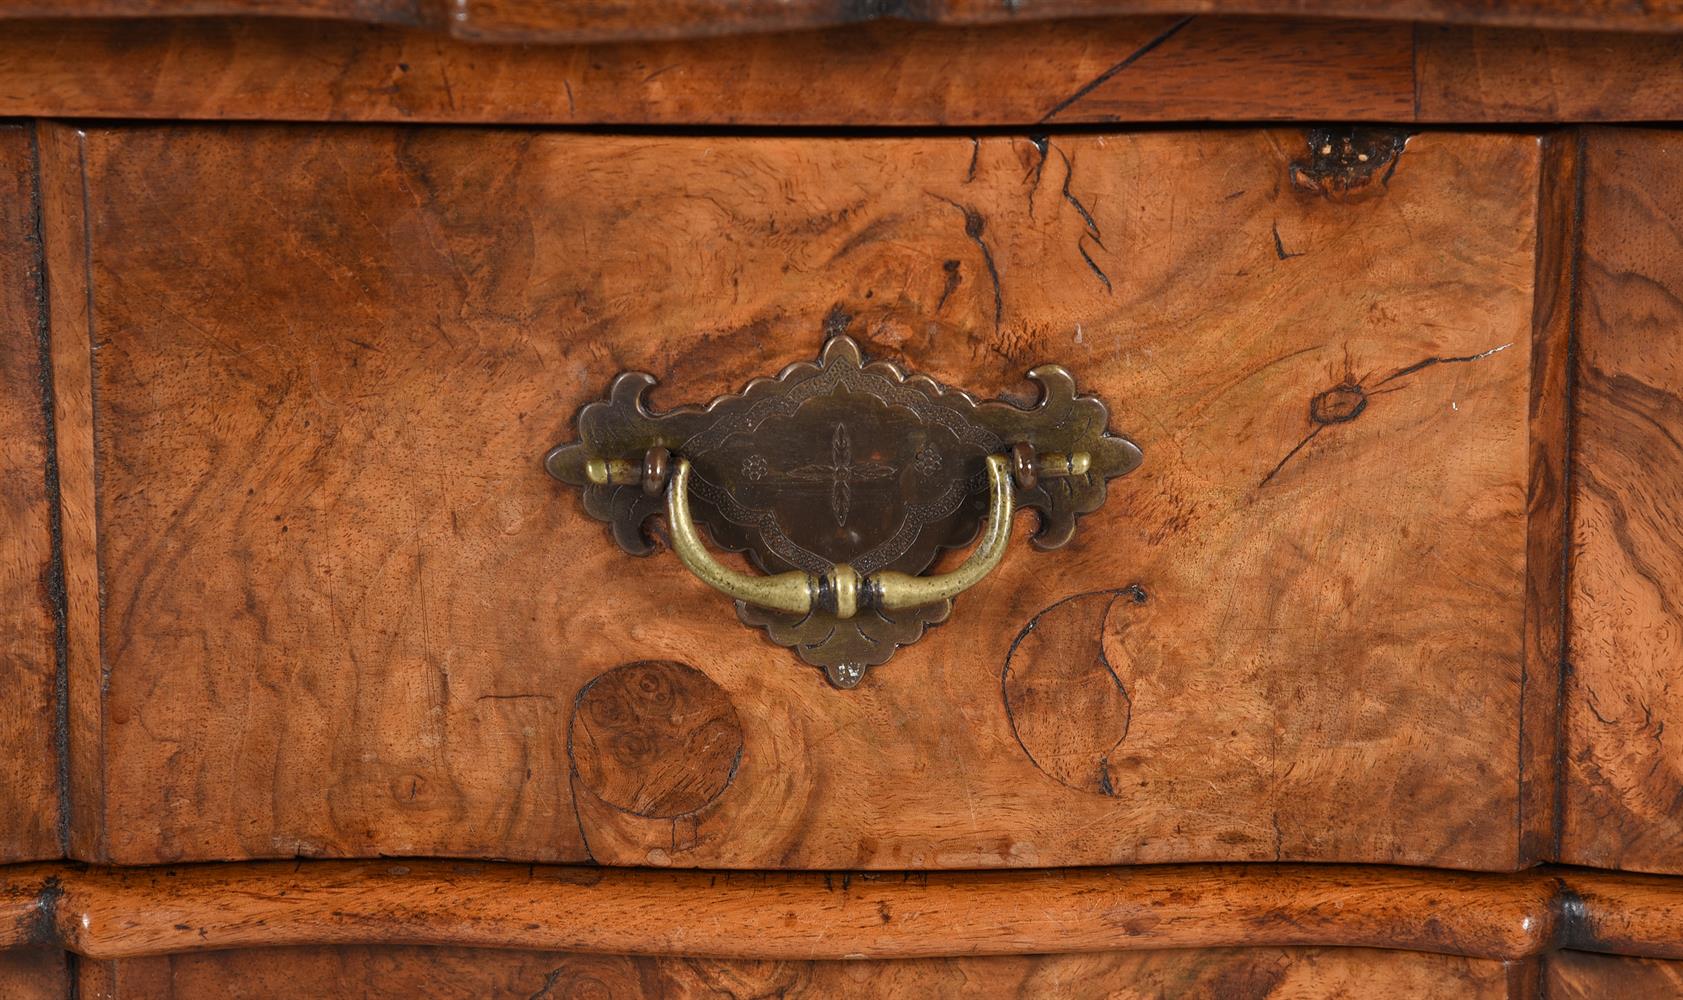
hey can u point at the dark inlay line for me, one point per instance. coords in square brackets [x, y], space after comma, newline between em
[56, 588]
[1132, 57]
[1574, 272]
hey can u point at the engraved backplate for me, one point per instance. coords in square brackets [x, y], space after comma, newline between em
[843, 461]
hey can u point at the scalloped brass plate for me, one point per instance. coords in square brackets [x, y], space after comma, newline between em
[847, 470]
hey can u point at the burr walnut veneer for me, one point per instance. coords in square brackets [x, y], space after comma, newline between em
[1360, 683]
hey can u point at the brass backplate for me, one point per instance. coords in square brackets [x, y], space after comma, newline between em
[842, 461]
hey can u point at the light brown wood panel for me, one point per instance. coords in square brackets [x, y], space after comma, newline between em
[107, 914]
[1624, 914]
[64, 237]
[1517, 75]
[346, 612]
[552, 20]
[29, 585]
[1144, 69]
[1575, 975]
[141, 977]
[24, 921]
[34, 974]
[1624, 711]
[440, 973]
[116, 913]
[524, 20]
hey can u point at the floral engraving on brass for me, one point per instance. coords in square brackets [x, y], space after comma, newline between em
[847, 479]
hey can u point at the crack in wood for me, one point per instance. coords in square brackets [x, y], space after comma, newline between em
[1043, 146]
[1132, 57]
[1346, 401]
[1430, 362]
[1087, 220]
[1280, 246]
[974, 227]
[952, 282]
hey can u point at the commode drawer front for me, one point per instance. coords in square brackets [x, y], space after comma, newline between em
[344, 610]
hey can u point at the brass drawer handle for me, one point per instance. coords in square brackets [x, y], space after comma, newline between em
[843, 481]
[842, 591]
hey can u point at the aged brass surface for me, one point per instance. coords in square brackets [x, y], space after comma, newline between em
[839, 591]
[842, 481]
[794, 591]
[894, 591]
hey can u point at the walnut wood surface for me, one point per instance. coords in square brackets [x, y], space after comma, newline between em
[29, 586]
[440, 973]
[526, 20]
[35, 974]
[1066, 72]
[1624, 713]
[563, 20]
[64, 237]
[122, 913]
[346, 612]
[111, 914]
[1626, 914]
[1496, 74]
[1574, 975]
[1554, 311]
[1051, 73]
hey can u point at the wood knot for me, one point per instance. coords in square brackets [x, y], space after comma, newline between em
[1342, 164]
[1340, 404]
[654, 738]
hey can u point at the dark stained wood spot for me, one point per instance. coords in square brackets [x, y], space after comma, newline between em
[1345, 164]
[1340, 404]
[655, 738]
[1068, 703]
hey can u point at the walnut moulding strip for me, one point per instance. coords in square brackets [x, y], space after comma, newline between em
[559, 20]
[1062, 73]
[109, 913]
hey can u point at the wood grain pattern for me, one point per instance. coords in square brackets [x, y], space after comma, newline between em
[123, 913]
[64, 235]
[872, 75]
[25, 913]
[1068, 703]
[448, 973]
[34, 974]
[109, 914]
[1574, 975]
[1069, 72]
[367, 11]
[1516, 75]
[654, 739]
[527, 20]
[144, 977]
[29, 585]
[1625, 761]
[347, 612]
[1626, 914]
[1560, 205]
[559, 20]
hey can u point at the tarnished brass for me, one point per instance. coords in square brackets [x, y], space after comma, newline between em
[794, 591]
[841, 481]
[893, 591]
[840, 591]
[657, 468]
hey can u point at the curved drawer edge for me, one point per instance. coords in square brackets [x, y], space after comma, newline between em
[110, 913]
